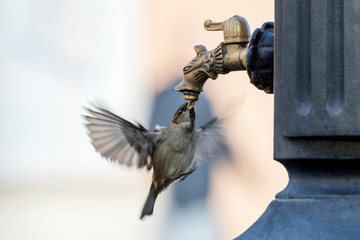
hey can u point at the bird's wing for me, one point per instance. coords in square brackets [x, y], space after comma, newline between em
[120, 140]
[209, 139]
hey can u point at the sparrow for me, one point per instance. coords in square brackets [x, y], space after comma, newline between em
[169, 151]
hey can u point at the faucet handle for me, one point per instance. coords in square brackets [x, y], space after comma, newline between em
[214, 26]
[236, 29]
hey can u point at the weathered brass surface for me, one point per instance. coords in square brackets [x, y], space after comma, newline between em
[236, 29]
[228, 56]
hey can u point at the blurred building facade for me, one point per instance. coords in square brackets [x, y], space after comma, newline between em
[57, 55]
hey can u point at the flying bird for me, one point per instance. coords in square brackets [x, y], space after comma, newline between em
[169, 151]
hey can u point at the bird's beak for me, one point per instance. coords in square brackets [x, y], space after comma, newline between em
[191, 105]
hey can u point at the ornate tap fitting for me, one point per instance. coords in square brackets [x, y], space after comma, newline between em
[230, 55]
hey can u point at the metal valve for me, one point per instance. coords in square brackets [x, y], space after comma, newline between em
[236, 29]
[231, 55]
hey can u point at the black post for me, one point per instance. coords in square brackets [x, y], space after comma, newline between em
[317, 122]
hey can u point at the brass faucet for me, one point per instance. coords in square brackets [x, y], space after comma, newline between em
[230, 55]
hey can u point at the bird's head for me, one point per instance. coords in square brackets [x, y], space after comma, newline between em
[185, 115]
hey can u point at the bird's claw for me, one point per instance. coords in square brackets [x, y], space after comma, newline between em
[184, 175]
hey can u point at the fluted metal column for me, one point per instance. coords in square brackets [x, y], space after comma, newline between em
[317, 122]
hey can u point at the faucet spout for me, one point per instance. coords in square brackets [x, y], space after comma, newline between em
[228, 56]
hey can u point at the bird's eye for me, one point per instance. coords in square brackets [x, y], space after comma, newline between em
[186, 69]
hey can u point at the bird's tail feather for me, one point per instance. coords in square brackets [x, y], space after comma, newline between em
[150, 201]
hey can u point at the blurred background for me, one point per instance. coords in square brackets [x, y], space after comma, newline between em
[55, 56]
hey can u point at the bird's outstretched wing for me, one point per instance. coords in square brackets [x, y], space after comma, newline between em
[209, 139]
[118, 139]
